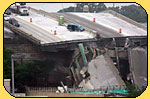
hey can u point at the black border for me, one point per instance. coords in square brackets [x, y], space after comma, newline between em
[76, 2]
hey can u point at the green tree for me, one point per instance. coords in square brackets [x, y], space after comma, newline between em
[134, 12]
[7, 63]
[28, 74]
[133, 90]
[70, 9]
[116, 9]
[93, 7]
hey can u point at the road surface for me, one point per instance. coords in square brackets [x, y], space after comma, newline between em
[101, 30]
[42, 28]
[115, 21]
[39, 33]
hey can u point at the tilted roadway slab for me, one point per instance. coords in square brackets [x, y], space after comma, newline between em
[100, 29]
[107, 23]
[42, 28]
[115, 22]
[102, 73]
[37, 32]
[138, 65]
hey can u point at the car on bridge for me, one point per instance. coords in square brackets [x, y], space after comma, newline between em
[6, 17]
[8, 12]
[14, 22]
[75, 27]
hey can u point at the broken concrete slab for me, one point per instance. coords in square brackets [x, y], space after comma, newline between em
[102, 73]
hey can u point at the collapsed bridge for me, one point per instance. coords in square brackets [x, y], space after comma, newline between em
[90, 55]
[117, 50]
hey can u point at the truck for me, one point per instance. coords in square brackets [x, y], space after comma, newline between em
[20, 9]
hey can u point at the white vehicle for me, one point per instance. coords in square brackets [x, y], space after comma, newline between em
[6, 17]
[23, 10]
[20, 9]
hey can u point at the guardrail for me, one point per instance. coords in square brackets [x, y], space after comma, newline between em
[22, 33]
[41, 89]
[126, 19]
[71, 45]
[54, 89]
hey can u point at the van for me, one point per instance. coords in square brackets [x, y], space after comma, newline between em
[75, 27]
[8, 12]
[14, 22]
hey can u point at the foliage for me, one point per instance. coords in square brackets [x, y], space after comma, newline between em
[7, 63]
[26, 73]
[134, 12]
[133, 90]
[93, 7]
[70, 9]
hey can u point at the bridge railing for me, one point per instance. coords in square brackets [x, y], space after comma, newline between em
[54, 89]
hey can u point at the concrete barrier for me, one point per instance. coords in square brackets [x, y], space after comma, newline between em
[22, 33]
[126, 19]
[50, 94]
[7, 84]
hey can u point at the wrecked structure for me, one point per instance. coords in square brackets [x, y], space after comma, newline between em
[100, 69]
[95, 63]
[90, 63]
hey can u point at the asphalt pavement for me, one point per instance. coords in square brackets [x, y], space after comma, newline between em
[101, 30]
[37, 32]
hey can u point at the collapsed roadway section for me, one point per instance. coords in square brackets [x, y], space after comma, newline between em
[92, 65]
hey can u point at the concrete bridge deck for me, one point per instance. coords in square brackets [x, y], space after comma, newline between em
[72, 44]
[41, 30]
[107, 23]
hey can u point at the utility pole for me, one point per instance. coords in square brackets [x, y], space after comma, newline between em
[12, 73]
[62, 8]
[13, 57]
[113, 5]
[75, 7]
